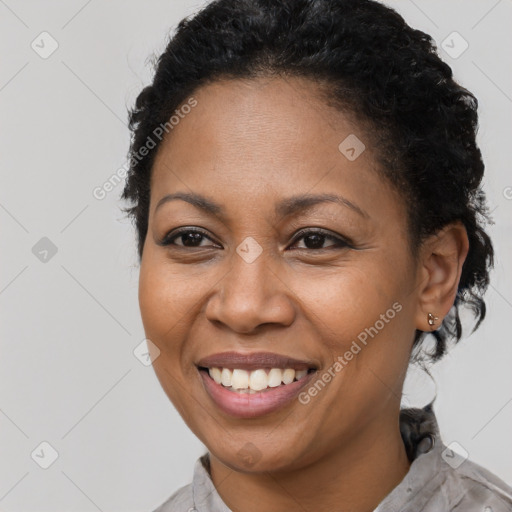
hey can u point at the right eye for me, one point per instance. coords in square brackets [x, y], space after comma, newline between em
[189, 237]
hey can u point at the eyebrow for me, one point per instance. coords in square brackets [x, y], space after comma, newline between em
[294, 204]
[284, 208]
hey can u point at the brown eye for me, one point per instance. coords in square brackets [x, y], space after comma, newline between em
[187, 238]
[315, 239]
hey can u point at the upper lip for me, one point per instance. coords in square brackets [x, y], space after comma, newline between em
[253, 361]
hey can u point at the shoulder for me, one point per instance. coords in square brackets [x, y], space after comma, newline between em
[439, 478]
[473, 487]
[181, 501]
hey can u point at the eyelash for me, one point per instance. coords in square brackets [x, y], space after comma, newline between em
[340, 242]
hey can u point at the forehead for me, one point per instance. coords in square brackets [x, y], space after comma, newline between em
[267, 138]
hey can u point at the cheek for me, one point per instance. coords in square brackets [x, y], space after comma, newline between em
[163, 305]
[341, 302]
[165, 289]
[360, 314]
[154, 301]
[164, 299]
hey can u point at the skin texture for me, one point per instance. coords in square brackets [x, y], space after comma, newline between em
[247, 145]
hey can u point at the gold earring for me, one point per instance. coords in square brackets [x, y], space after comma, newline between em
[431, 319]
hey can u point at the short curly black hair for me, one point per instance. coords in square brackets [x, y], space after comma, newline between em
[369, 63]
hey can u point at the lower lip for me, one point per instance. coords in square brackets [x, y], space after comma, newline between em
[252, 405]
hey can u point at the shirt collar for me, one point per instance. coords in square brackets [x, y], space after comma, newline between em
[205, 496]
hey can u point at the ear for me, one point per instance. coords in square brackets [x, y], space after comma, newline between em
[441, 258]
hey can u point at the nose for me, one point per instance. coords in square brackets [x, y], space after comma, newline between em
[251, 295]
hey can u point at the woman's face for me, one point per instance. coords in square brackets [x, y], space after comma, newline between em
[248, 284]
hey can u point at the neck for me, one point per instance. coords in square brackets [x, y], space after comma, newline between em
[357, 477]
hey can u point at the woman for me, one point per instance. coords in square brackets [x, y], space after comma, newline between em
[305, 185]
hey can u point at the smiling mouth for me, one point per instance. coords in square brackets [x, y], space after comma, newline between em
[258, 380]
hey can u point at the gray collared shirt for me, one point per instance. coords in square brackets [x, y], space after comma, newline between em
[439, 480]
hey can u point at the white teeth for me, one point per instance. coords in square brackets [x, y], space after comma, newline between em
[256, 380]
[240, 379]
[226, 377]
[288, 375]
[215, 374]
[275, 376]
[300, 373]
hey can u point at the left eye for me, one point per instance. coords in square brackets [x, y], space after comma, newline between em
[314, 239]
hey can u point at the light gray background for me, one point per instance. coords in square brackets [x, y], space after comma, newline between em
[69, 325]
